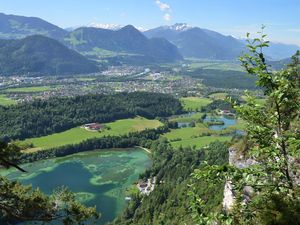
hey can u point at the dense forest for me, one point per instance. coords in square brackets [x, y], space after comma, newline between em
[169, 203]
[43, 117]
[39, 55]
[223, 78]
[143, 138]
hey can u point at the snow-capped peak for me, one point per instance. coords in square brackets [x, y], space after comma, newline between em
[110, 26]
[179, 27]
[107, 26]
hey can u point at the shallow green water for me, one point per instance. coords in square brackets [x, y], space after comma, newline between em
[99, 177]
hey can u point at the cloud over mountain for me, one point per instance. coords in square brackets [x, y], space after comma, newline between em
[166, 9]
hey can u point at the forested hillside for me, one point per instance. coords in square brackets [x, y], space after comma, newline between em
[43, 117]
[13, 27]
[39, 55]
[128, 41]
[169, 202]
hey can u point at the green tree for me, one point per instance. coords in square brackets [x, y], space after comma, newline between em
[22, 203]
[272, 142]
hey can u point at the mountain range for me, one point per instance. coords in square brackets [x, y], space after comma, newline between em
[202, 43]
[126, 45]
[40, 55]
[125, 40]
[16, 27]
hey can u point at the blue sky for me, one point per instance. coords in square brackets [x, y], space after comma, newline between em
[234, 17]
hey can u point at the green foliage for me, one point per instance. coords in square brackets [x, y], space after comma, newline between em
[19, 203]
[140, 138]
[79, 134]
[5, 101]
[136, 48]
[194, 103]
[223, 78]
[43, 117]
[15, 27]
[274, 198]
[38, 55]
[169, 203]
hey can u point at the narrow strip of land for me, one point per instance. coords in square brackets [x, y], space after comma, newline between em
[145, 149]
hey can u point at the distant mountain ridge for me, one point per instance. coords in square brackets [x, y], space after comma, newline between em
[16, 27]
[204, 43]
[126, 40]
[122, 40]
[40, 55]
[128, 44]
[197, 42]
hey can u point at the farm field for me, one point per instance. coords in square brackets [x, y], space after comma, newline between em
[218, 96]
[29, 89]
[78, 134]
[220, 65]
[6, 101]
[194, 103]
[200, 141]
[190, 136]
[187, 119]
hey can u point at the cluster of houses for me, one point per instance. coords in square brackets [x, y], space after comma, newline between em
[146, 187]
[93, 126]
[226, 113]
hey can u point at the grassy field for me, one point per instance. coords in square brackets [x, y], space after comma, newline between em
[29, 89]
[192, 136]
[187, 119]
[217, 96]
[6, 101]
[200, 141]
[78, 134]
[86, 78]
[220, 65]
[194, 103]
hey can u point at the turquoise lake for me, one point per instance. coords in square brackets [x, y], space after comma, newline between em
[228, 121]
[98, 177]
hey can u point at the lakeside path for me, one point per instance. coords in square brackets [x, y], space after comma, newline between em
[145, 149]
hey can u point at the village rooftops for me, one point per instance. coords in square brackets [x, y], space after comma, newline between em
[93, 126]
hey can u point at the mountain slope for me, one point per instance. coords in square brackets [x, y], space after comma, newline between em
[126, 40]
[39, 55]
[279, 51]
[203, 43]
[199, 43]
[14, 27]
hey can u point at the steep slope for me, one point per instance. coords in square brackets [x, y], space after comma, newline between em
[126, 40]
[199, 43]
[203, 43]
[279, 51]
[14, 27]
[39, 55]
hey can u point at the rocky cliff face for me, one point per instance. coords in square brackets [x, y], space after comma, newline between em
[239, 161]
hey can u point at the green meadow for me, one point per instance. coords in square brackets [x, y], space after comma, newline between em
[190, 136]
[5, 101]
[187, 119]
[219, 65]
[78, 134]
[29, 89]
[194, 103]
[200, 142]
[218, 96]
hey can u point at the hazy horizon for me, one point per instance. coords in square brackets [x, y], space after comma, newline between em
[232, 17]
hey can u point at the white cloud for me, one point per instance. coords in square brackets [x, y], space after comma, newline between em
[163, 6]
[166, 9]
[167, 17]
